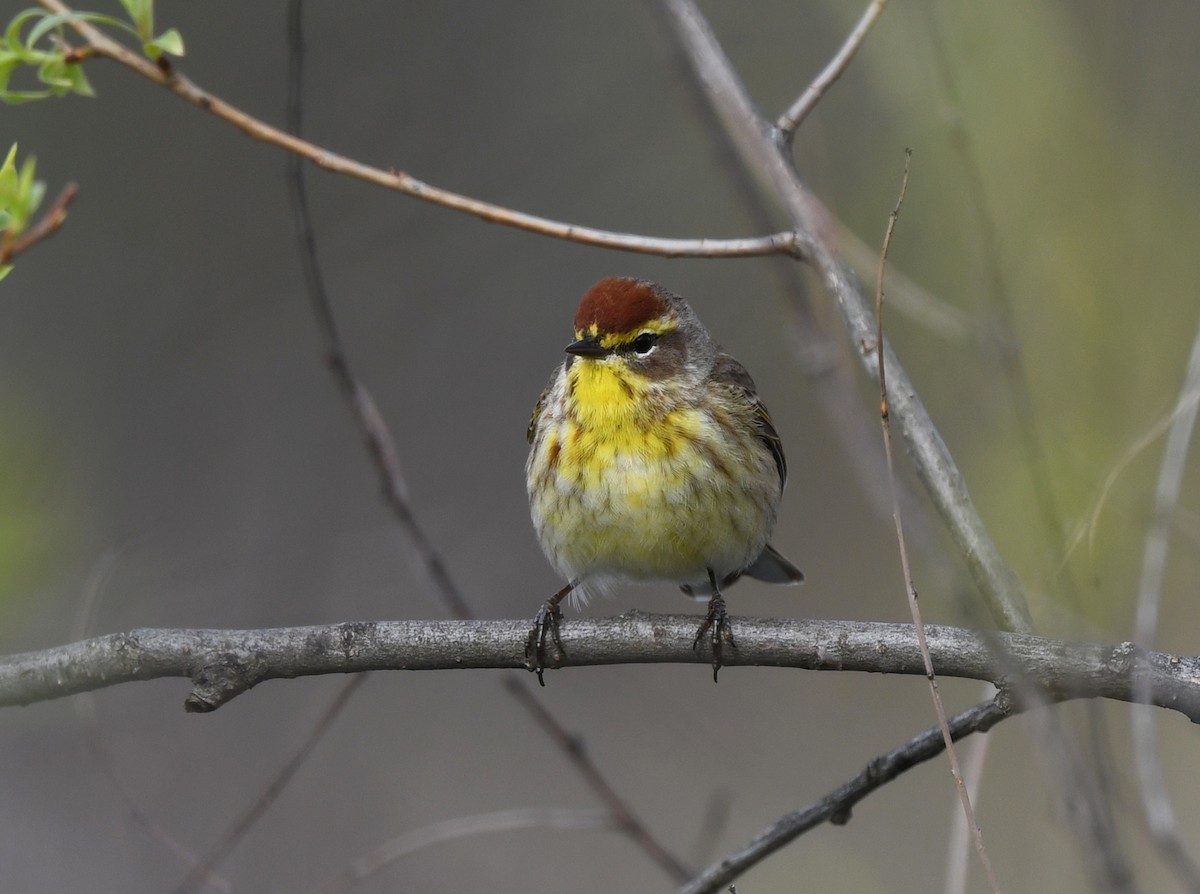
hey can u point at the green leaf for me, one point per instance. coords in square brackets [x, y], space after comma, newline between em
[17, 97]
[8, 64]
[53, 73]
[8, 177]
[20, 193]
[51, 22]
[20, 47]
[17, 49]
[79, 82]
[12, 34]
[141, 12]
[5, 269]
[47, 24]
[30, 192]
[170, 42]
[63, 78]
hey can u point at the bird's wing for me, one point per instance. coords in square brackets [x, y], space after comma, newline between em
[733, 374]
[537, 412]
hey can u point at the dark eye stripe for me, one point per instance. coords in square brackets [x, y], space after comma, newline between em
[643, 343]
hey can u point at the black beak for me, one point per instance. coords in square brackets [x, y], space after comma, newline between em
[587, 347]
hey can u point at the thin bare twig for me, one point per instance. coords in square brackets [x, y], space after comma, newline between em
[46, 226]
[913, 603]
[99, 44]
[957, 847]
[790, 121]
[1156, 803]
[909, 297]
[836, 807]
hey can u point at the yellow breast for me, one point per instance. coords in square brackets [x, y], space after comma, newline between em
[631, 483]
[616, 414]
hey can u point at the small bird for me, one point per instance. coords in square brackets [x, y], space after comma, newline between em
[651, 458]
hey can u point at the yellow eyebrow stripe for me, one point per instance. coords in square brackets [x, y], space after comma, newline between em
[612, 340]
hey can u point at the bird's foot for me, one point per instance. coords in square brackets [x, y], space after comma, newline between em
[545, 633]
[716, 625]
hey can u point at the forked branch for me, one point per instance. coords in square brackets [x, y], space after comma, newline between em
[755, 138]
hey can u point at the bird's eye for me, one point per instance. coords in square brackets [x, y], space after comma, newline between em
[644, 343]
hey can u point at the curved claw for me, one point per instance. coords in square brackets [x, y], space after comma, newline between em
[716, 624]
[545, 625]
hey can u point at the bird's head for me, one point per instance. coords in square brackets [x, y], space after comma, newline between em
[634, 326]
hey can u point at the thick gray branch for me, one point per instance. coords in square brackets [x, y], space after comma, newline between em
[225, 663]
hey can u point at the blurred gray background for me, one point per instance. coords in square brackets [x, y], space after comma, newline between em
[165, 414]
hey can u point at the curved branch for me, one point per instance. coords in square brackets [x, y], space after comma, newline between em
[222, 664]
[99, 44]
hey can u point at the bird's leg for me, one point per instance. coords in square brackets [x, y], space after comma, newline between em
[716, 623]
[545, 623]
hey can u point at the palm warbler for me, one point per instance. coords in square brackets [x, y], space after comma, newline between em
[652, 458]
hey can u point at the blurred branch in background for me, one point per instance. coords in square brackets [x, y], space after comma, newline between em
[200, 871]
[539, 819]
[1156, 802]
[940, 317]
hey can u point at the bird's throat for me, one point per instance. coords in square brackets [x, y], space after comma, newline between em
[607, 397]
